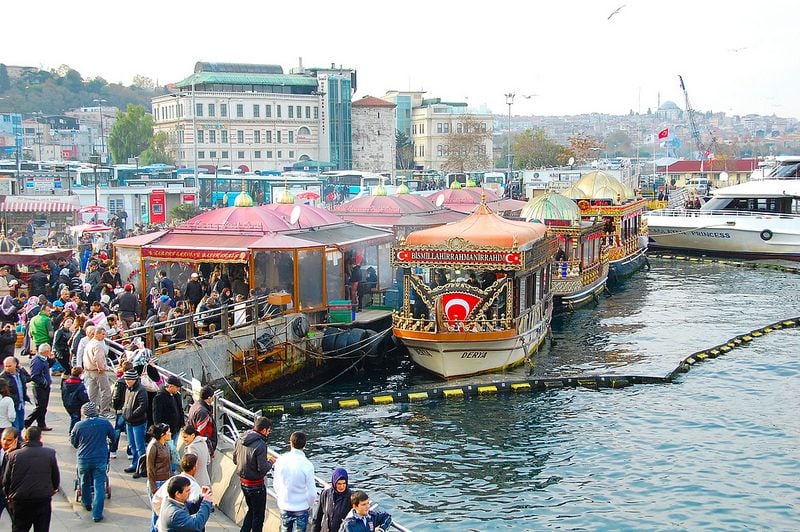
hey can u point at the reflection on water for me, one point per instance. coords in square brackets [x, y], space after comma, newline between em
[716, 449]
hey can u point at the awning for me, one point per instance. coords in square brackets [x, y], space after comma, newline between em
[34, 256]
[40, 204]
[199, 247]
[346, 234]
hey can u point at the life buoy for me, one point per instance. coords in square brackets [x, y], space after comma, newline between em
[766, 234]
[583, 205]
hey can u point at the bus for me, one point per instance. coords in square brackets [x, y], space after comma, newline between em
[495, 181]
[349, 183]
[221, 190]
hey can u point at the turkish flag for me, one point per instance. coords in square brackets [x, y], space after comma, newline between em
[458, 305]
[664, 133]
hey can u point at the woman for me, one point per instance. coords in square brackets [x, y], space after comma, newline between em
[334, 503]
[74, 395]
[159, 459]
[78, 334]
[61, 344]
[8, 412]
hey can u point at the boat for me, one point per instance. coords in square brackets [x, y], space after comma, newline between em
[600, 195]
[476, 293]
[580, 267]
[755, 219]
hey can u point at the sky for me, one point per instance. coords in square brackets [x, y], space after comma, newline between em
[560, 57]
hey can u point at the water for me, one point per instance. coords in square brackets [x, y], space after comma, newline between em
[716, 449]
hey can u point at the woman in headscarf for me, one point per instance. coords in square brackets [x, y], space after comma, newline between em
[334, 503]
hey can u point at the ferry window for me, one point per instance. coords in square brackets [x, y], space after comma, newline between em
[309, 273]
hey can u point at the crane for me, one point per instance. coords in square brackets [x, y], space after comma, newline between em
[702, 151]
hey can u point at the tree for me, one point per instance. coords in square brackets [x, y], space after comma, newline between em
[5, 83]
[466, 149]
[132, 133]
[183, 211]
[143, 82]
[618, 143]
[405, 152]
[533, 149]
[583, 145]
[159, 150]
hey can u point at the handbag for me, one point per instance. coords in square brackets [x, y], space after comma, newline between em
[147, 381]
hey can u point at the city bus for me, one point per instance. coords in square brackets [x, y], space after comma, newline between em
[351, 183]
[221, 190]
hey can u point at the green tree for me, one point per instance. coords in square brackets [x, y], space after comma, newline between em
[159, 150]
[143, 83]
[466, 149]
[583, 146]
[5, 83]
[183, 211]
[533, 149]
[619, 144]
[132, 133]
[405, 152]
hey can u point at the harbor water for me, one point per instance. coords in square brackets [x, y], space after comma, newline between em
[717, 449]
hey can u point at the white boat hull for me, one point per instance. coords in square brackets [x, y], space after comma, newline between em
[770, 236]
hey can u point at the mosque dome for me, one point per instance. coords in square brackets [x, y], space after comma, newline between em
[669, 106]
[551, 206]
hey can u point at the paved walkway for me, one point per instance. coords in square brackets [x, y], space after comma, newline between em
[129, 506]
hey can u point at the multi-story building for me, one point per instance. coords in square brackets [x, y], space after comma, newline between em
[374, 143]
[255, 117]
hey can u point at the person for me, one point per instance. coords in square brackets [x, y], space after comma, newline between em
[39, 281]
[165, 283]
[8, 412]
[355, 280]
[127, 306]
[95, 362]
[41, 328]
[252, 465]
[293, 480]
[134, 410]
[61, 344]
[40, 376]
[9, 442]
[168, 406]
[17, 384]
[334, 503]
[193, 292]
[8, 340]
[174, 514]
[189, 467]
[91, 438]
[362, 519]
[201, 417]
[159, 459]
[560, 255]
[196, 445]
[74, 395]
[30, 479]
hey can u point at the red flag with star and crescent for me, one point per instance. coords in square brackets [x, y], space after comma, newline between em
[664, 133]
[458, 305]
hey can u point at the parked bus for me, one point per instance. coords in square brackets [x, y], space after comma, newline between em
[349, 183]
[221, 190]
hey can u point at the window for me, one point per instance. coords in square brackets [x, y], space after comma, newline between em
[278, 111]
[447, 128]
[223, 110]
[257, 136]
[303, 131]
[240, 136]
[439, 127]
[239, 110]
[299, 111]
[212, 154]
[198, 109]
[256, 110]
[269, 154]
[439, 152]
[422, 129]
[224, 134]
[291, 112]
[212, 136]
[201, 154]
[280, 154]
[414, 129]
[257, 154]
[224, 154]
[291, 154]
[200, 137]
[268, 110]
[316, 113]
[459, 128]
[269, 137]
[240, 155]
[115, 205]
[291, 137]
[308, 111]
[278, 136]
[212, 111]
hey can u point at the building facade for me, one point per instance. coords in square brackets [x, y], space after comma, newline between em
[256, 117]
[374, 144]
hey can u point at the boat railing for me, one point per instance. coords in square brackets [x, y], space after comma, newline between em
[696, 213]
[432, 325]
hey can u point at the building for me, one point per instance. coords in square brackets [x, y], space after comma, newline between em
[11, 136]
[256, 117]
[374, 144]
[94, 124]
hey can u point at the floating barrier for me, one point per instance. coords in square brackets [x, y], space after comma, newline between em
[525, 386]
[728, 262]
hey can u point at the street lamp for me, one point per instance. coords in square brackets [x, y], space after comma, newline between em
[100, 102]
[510, 101]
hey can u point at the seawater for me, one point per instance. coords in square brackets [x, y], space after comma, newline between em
[717, 449]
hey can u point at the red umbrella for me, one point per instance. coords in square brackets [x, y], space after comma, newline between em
[91, 209]
[307, 195]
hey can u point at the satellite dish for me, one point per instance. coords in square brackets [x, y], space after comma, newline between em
[295, 215]
[439, 200]
[723, 176]
[571, 161]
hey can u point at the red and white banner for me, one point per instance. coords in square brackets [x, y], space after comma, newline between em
[664, 133]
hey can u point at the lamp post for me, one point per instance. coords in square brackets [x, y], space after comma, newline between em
[510, 101]
[100, 103]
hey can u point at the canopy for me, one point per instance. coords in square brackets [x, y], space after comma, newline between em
[40, 204]
[83, 229]
[31, 257]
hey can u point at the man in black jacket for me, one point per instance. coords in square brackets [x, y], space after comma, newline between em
[39, 282]
[134, 410]
[168, 407]
[127, 306]
[252, 465]
[30, 480]
[18, 385]
[193, 292]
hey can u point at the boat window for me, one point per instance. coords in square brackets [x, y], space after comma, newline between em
[788, 170]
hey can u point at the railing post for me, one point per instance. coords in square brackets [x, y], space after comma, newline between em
[225, 322]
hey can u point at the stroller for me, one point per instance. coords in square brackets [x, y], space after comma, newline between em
[78, 491]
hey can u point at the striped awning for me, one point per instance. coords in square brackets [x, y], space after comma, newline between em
[40, 204]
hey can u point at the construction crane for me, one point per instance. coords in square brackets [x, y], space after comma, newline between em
[702, 151]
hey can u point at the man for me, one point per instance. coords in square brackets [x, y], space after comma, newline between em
[40, 376]
[9, 442]
[168, 407]
[175, 516]
[134, 410]
[165, 282]
[91, 438]
[252, 465]
[95, 363]
[294, 485]
[39, 281]
[30, 480]
[196, 445]
[17, 383]
[93, 277]
[201, 417]
[5, 289]
[362, 519]
[189, 467]
[41, 328]
[127, 306]
[193, 292]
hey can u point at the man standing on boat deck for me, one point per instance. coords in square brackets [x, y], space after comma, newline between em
[294, 485]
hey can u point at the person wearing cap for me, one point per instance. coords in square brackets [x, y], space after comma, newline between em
[193, 292]
[134, 410]
[168, 407]
[91, 437]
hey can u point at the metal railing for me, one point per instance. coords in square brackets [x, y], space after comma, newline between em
[694, 213]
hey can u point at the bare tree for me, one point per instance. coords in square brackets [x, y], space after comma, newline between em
[466, 146]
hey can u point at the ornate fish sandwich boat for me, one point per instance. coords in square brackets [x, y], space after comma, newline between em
[580, 267]
[601, 196]
[476, 293]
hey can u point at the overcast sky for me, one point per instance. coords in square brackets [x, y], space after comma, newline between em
[735, 56]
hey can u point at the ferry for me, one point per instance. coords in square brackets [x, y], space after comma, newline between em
[476, 293]
[580, 267]
[755, 219]
[599, 195]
